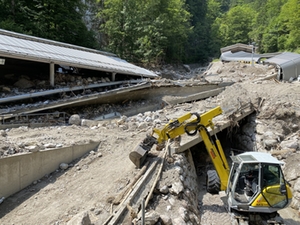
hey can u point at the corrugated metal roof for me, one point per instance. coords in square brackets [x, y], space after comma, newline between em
[283, 58]
[289, 63]
[237, 47]
[239, 56]
[26, 47]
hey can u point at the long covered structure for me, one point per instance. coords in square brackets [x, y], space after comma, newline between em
[20, 52]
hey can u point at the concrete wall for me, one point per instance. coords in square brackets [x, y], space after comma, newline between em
[19, 171]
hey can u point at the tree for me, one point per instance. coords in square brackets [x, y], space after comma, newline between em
[196, 48]
[146, 31]
[59, 20]
[237, 24]
[215, 12]
[265, 31]
[289, 26]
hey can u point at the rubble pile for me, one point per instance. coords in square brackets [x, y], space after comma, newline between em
[177, 193]
[17, 85]
[237, 72]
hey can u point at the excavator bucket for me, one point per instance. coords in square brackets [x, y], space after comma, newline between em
[140, 152]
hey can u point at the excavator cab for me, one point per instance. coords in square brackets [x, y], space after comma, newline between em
[256, 184]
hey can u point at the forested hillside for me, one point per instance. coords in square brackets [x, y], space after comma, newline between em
[159, 31]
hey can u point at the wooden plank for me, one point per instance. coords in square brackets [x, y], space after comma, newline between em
[114, 219]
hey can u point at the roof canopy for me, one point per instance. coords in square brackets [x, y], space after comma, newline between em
[237, 48]
[288, 62]
[239, 56]
[19, 46]
[256, 157]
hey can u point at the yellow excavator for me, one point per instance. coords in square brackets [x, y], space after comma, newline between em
[254, 187]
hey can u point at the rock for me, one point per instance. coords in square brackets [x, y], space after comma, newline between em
[297, 185]
[284, 153]
[24, 83]
[291, 79]
[74, 120]
[295, 204]
[183, 214]
[49, 145]
[269, 143]
[32, 148]
[293, 144]
[164, 189]
[97, 211]
[142, 125]
[178, 221]
[80, 219]
[148, 119]
[6, 89]
[179, 170]
[124, 127]
[58, 145]
[157, 121]
[166, 219]
[292, 173]
[172, 201]
[3, 133]
[88, 123]
[260, 129]
[92, 152]
[176, 188]
[63, 166]
[122, 120]
[151, 218]
[187, 68]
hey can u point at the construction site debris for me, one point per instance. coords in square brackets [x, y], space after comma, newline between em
[273, 128]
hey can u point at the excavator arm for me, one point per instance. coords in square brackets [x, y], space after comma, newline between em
[191, 124]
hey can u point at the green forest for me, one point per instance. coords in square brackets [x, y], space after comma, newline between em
[159, 31]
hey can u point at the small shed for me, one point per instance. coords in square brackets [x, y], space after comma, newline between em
[288, 65]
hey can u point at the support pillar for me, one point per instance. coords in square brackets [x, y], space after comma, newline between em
[113, 76]
[52, 74]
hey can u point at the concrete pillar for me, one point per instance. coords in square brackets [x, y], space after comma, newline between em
[52, 74]
[113, 76]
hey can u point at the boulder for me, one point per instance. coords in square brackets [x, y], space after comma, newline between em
[290, 144]
[74, 120]
[80, 219]
[176, 188]
[88, 123]
[63, 166]
[166, 219]
[183, 213]
[24, 83]
[151, 218]
[6, 89]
